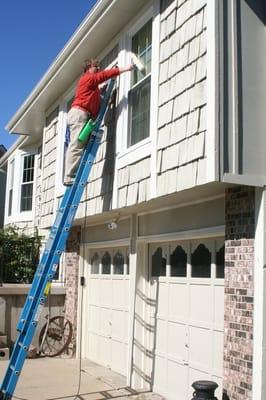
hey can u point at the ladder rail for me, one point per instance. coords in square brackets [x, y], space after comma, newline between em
[51, 256]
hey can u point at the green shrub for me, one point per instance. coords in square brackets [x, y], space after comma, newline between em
[19, 255]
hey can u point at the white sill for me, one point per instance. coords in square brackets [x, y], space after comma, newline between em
[134, 153]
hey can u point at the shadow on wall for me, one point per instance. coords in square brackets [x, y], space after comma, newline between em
[149, 330]
[109, 161]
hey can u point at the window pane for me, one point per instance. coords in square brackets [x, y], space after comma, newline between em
[11, 174]
[119, 263]
[178, 262]
[139, 111]
[28, 169]
[10, 199]
[106, 263]
[26, 197]
[201, 262]
[127, 265]
[141, 47]
[95, 264]
[158, 263]
[220, 263]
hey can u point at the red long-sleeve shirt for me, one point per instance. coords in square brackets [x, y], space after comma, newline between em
[88, 93]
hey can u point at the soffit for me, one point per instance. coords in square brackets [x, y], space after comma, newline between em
[105, 21]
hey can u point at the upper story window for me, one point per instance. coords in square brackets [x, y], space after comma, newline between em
[139, 94]
[11, 186]
[27, 183]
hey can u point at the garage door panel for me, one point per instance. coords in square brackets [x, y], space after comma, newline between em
[219, 307]
[161, 337]
[218, 342]
[178, 302]
[162, 299]
[105, 321]
[160, 375]
[119, 325]
[94, 291]
[93, 345]
[177, 381]
[108, 299]
[177, 341]
[201, 304]
[120, 293]
[94, 318]
[119, 356]
[200, 348]
[106, 292]
[105, 351]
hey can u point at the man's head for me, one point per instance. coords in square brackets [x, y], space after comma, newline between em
[91, 65]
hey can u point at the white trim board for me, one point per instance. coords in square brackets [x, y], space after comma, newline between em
[212, 90]
[214, 231]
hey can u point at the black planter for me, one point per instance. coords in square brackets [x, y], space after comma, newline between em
[204, 390]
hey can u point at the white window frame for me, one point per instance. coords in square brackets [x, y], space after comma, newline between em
[11, 179]
[21, 183]
[17, 215]
[125, 154]
[124, 250]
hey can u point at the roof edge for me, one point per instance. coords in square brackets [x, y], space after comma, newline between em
[72, 43]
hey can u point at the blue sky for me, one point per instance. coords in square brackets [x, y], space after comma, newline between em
[32, 34]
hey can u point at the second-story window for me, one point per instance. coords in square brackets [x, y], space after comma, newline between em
[139, 95]
[27, 183]
[11, 185]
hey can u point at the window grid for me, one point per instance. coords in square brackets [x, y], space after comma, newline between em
[179, 260]
[139, 94]
[113, 261]
[27, 183]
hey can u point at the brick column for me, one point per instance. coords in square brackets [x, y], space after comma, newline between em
[71, 273]
[239, 291]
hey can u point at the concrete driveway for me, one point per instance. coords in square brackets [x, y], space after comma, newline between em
[58, 379]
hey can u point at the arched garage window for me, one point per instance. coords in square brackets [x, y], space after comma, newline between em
[178, 261]
[106, 263]
[118, 262]
[158, 264]
[201, 262]
[95, 264]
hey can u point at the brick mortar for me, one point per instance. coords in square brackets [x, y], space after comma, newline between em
[239, 292]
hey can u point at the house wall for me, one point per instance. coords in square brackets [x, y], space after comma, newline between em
[48, 173]
[97, 196]
[239, 292]
[181, 153]
[38, 189]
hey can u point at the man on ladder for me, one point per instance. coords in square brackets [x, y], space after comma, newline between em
[86, 104]
[60, 230]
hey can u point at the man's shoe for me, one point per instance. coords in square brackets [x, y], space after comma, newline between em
[68, 182]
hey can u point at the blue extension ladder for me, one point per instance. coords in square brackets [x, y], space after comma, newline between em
[50, 258]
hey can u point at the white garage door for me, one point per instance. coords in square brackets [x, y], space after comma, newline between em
[186, 280]
[108, 299]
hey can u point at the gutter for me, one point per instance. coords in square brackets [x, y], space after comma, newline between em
[65, 53]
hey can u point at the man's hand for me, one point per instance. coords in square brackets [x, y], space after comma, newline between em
[127, 68]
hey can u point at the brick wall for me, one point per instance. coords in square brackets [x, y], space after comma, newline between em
[239, 292]
[72, 273]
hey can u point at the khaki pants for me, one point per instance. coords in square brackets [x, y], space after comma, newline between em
[76, 119]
